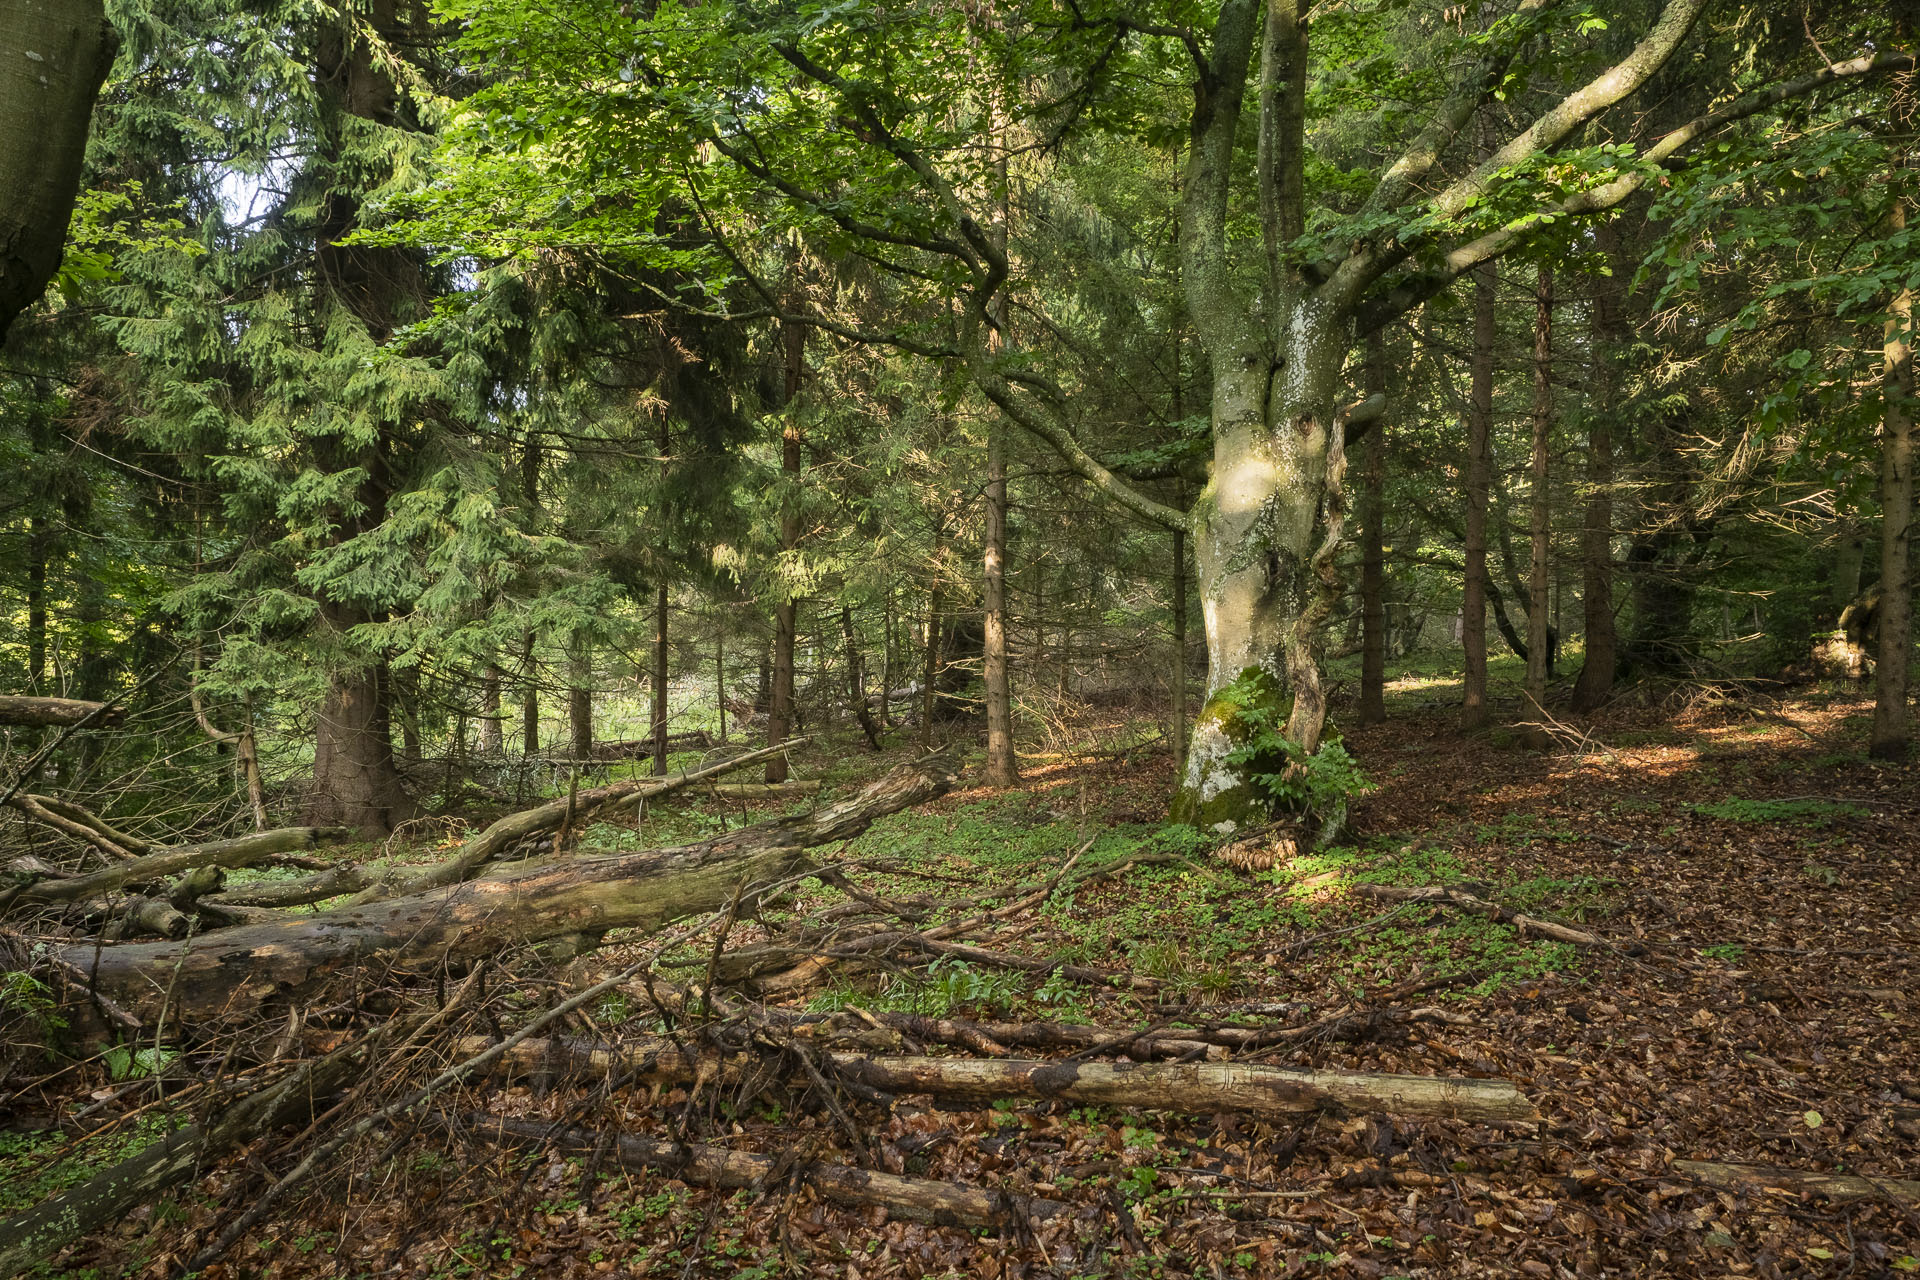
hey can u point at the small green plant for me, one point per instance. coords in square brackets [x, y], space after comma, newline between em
[1290, 778]
[124, 1062]
[1741, 809]
[25, 997]
[1723, 951]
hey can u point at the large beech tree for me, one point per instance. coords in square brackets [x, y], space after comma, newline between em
[872, 126]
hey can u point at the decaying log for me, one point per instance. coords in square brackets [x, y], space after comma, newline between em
[19, 709]
[1198, 1088]
[151, 915]
[1447, 896]
[574, 809]
[239, 969]
[241, 851]
[920, 1199]
[1831, 1186]
[35, 1235]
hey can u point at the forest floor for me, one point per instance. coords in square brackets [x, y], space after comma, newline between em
[1752, 878]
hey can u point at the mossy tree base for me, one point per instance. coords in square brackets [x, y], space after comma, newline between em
[1218, 794]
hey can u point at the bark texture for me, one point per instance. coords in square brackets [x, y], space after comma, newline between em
[1601, 656]
[1540, 511]
[54, 55]
[1890, 676]
[1474, 713]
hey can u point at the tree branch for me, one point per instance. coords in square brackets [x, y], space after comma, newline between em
[1414, 290]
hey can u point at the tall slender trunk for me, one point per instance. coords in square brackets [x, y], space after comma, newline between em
[857, 680]
[786, 613]
[529, 699]
[492, 735]
[580, 699]
[1002, 769]
[38, 543]
[1539, 509]
[931, 672]
[886, 661]
[720, 678]
[1473, 604]
[1373, 541]
[1179, 653]
[660, 679]
[1890, 712]
[1601, 657]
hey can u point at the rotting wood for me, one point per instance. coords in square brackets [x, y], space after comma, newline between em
[1201, 1088]
[1831, 1186]
[571, 811]
[1198, 1088]
[918, 1199]
[238, 852]
[234, 970]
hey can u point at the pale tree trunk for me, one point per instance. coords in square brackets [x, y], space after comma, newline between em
[54, 54]
[1890, 712]
[1264, 566]
[1601, 657]
[1373, 541]
[1539, 511]
[1473, 604]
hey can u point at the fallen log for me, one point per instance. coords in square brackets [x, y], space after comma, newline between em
[919, 1199]
[242, 968]
[34, 1236]
[1198, 1088]
[1447, 896]
[241, 851]
[22, 710]
[1830, 1186]
[573, 810]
